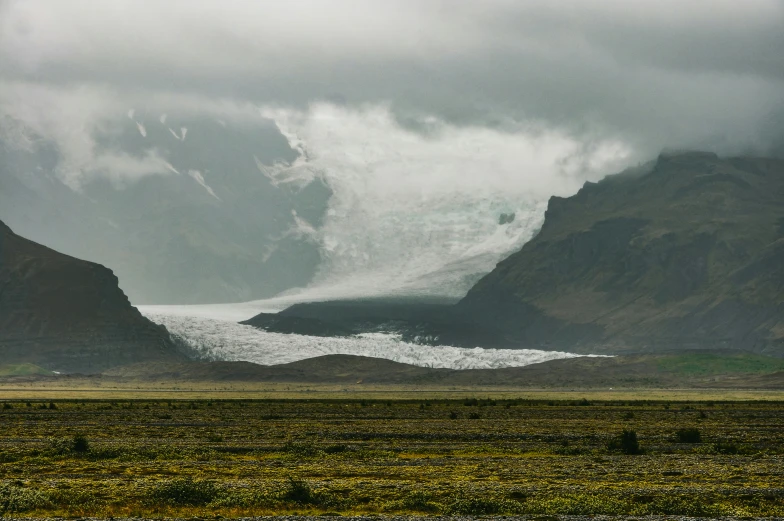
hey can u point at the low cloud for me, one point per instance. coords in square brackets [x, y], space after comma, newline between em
[648, 75]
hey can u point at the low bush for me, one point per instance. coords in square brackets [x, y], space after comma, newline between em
[299, 491]
[478, 506]
[184, 491]
[15, 499]
[625, 443]
[79, 443]
[417, 501]
[688, 435]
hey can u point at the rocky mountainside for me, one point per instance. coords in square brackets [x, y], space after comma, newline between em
[212, 224]
[686, 252]
[69, 315]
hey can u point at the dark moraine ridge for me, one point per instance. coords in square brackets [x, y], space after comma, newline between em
[69, 315]
[695, 369]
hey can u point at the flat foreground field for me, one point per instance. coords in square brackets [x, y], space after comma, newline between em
[465, 457]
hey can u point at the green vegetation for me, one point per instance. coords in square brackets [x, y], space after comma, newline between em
[688, 435]
[23, 370]
[471, 456]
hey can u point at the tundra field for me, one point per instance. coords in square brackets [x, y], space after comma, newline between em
[468, 456]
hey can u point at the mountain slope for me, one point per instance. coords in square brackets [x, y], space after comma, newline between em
[65, 314]
[685, 252]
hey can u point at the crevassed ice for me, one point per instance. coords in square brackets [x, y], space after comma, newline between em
[222, 340]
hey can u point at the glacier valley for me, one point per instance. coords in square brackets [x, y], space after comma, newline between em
[211, 334]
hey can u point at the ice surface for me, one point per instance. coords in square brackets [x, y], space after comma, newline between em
[224, 340]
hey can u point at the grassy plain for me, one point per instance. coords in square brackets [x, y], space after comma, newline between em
[422, 455]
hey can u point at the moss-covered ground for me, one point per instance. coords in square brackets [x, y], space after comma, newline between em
[231, 458]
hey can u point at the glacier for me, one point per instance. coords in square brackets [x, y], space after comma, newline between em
[213, 338]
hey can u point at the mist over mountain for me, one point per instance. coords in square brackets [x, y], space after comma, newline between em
[206, 224]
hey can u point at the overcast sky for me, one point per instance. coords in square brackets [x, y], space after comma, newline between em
[637, 75]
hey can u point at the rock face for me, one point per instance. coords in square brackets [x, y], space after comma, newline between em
[69, 315]
[686, 252]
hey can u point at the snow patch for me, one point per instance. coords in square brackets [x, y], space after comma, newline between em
[171, 168]
[196, 175]
[162, 119]
[142, 130]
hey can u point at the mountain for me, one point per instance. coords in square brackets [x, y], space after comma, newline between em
[69, 315]
[213, 223]
[686, 252]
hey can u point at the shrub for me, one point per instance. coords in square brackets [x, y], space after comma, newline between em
[77, 497]
[7, 405]
[185, 491]
[576, 505]
[80, 444]
[626, 443]
[453, 415]
[688, 435]
[335, 449]
[302, 450]
[299, 491]
[60, 446]
[680, 505]
[726, 448]
[417, 501]
[18, 499]
[474, 416]
[476, 506]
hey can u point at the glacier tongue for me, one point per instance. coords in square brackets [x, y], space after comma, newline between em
[221, 340]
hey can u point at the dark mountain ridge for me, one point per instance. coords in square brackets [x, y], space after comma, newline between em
[689, 254]
[69, 315]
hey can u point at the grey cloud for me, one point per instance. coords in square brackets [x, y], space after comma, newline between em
[704, 73]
